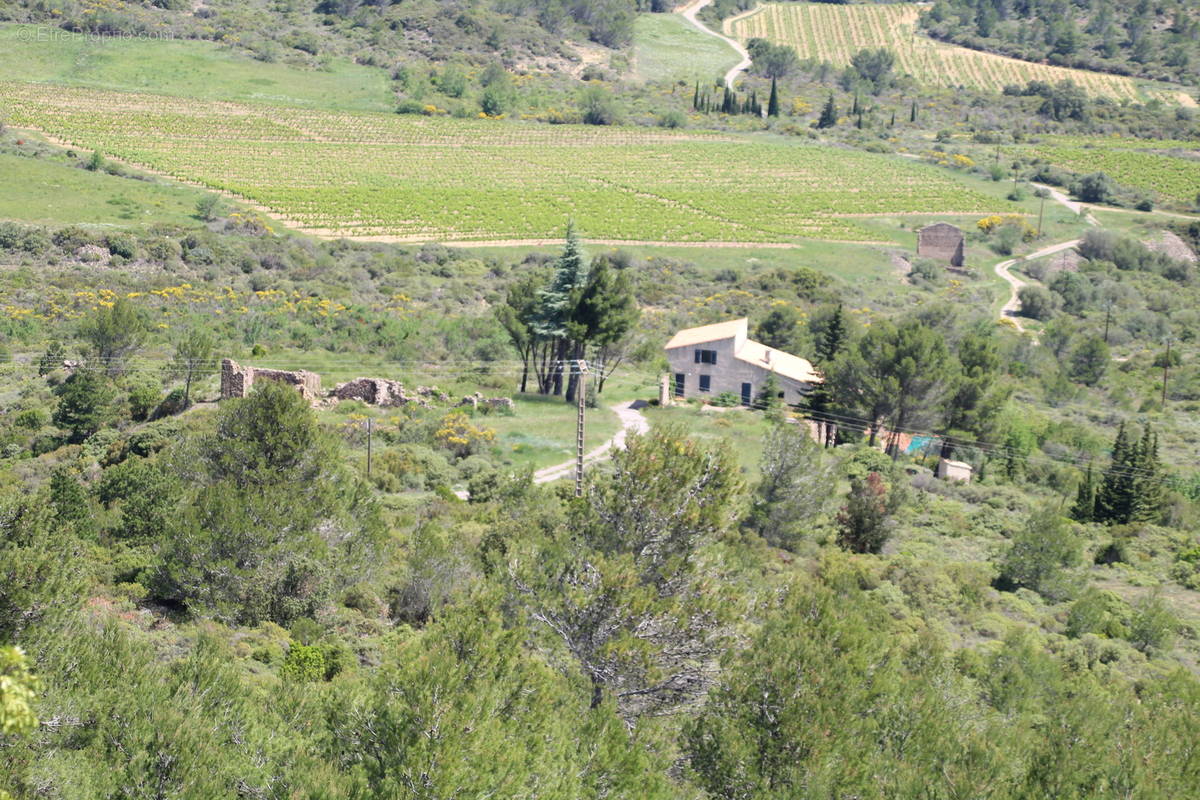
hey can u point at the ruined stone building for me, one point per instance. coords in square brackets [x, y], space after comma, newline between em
[943, 242]
[237, 381]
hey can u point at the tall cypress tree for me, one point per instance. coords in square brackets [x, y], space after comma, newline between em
[912, 117]
[829, 114]
[1147, 502]
[773, 103]
[833, 338]
[696, 98]
[1084, 509]
[1115, 502]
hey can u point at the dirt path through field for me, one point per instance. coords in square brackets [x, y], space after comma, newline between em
[689, 13]
[632, 421]
[1009, 311]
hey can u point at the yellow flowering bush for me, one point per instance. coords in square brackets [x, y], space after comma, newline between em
[460, 436]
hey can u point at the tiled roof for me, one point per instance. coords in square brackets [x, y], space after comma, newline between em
[709, 333]
[783, 364]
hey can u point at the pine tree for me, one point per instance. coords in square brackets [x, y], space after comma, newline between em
[833, 338]
[773, 103]
[1147, 501]
[829, 114]
[1115, 503]
[556, 304]
[1084, 509]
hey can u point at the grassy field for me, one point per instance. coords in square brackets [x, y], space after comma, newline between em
[743, 429]
[53, 192]
[666, 48]
[184, 68]
[416, 178]
[834, 33]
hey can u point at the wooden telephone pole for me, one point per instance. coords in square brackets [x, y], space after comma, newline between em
[581, 399]
[1166, 372]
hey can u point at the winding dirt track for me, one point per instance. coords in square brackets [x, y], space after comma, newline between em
[689, 13]
[1009, 311]
[632, 421]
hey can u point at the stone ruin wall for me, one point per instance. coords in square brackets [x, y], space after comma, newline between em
[237, 381]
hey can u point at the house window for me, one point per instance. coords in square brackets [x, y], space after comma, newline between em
[706, 356]
[705, 383]
[679, 384]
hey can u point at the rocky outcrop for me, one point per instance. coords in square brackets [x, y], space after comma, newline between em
[1172, 246]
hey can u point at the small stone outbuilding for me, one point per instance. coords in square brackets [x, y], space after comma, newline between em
[948, 470]
[942, 241]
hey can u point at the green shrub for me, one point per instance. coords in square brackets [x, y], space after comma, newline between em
[1153, 626]
[304, 664]
[411, 467]
[1041, 556]
[144, 397]
[1100, 612]
[121, 244]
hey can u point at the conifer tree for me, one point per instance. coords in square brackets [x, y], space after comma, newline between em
[696, 98]
[556, 304]
[1084, 509]
[1115, 502]
[773, 102]
[1147, 501]
[833, 338]
[912, 117]
[829, 114]
[892, 124]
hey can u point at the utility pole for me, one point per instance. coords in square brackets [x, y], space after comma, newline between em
[1166, 372]
[581, 399]
[369, 426]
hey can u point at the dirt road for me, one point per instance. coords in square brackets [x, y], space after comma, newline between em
[690, 13]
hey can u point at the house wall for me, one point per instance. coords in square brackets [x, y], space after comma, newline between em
[728, 374]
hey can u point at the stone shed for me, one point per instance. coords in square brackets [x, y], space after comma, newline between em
[949, 470]
[942, 241]
[237, 381]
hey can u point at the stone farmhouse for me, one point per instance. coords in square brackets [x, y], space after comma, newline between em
[942, 241]
[713, 359]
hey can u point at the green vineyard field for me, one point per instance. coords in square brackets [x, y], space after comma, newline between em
[1173, 178]
[416, 178]
[834, 33]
